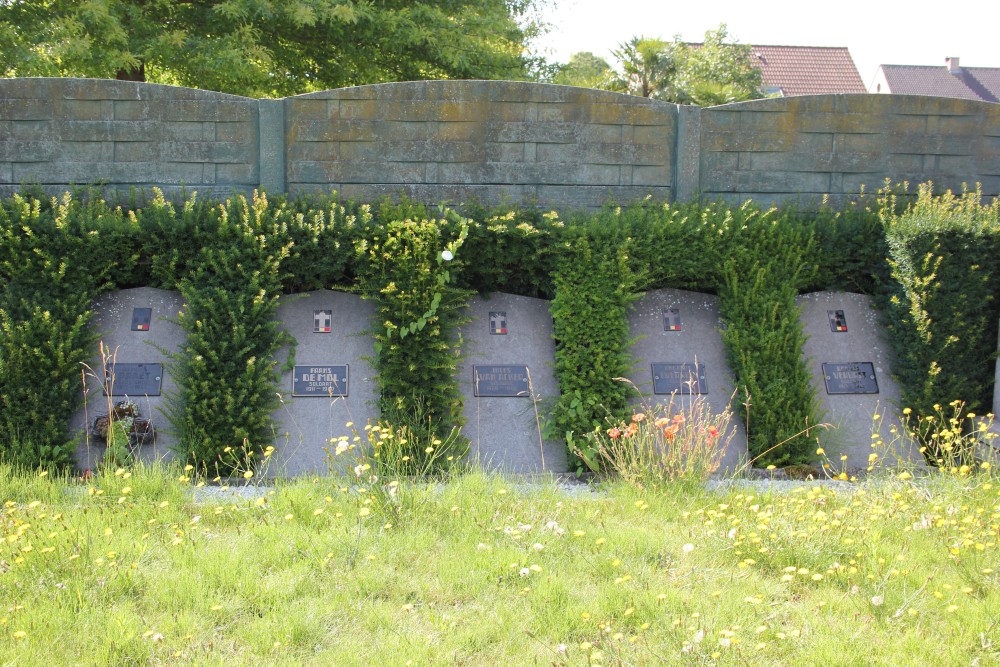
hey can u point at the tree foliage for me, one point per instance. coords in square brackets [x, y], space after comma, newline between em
[584, 69]
[716, 71]
[266, 47]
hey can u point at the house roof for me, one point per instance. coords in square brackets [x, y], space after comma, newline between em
[968, 83]
[808, 70]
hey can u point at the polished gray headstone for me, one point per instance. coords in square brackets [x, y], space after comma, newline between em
[678, 327]
[852, 415]
[148, 342]
[305, 425]
[503, 430]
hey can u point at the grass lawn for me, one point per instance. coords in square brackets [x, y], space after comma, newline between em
[127, 569]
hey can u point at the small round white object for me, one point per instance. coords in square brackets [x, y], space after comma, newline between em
[447, 255]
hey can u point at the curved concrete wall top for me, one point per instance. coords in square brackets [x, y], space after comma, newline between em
[495, 141]
[489, 140]
[801, 148]
[60, 132]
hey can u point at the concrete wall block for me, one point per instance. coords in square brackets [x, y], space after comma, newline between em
[582, 197]
[107, 89]
[206, 151]
[464, 173]
[178, 173]
[188, 131]
[109, 130]
[299, 109]
[508, 112]
[346, 130]
[495, 152]
[743, 141]
[86, 151]
[770, 120]
[134, 110]
[384, 172]
[6, 176]
[236, 173]
[720, 119]
[231, 132]
[650, 175]
[86, 110]
[357, 110]
[932, 144]
[782, 181]
[841, 123]
[211, 110]
[317, 151]
[135, 151]
[26, 109]
[458, 131]
[559, 112]
[430, 151]
[17, 150]
[61, 172]
[312, 171]
[400, 130]
[535, 132]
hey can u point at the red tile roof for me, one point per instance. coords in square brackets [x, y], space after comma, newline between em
[967, 83]
[808, 70]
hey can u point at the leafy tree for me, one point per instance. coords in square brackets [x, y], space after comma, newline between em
[584, 69]
[266, 47]
[713, 72]
[647, 67]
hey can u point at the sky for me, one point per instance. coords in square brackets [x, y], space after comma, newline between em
[876, 32]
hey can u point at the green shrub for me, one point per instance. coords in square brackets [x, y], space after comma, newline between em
[55, 257]
[419, 309]
[228, 273]
[594, 287]
[767, 264]
[943, 310]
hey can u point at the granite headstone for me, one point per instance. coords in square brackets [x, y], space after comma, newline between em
[847, 352]
[138, 332]
[679, 356]
[506, 375]
[330, 384]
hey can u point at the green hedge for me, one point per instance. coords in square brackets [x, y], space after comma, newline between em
[945, 260]
[231, 260]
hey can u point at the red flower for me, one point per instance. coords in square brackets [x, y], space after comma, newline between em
[713, 432]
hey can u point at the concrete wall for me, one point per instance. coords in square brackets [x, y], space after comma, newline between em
[487, 140]
[491, 141]
[800, 148]
[60, 132]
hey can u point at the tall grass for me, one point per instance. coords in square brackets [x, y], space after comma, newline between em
[138, 567]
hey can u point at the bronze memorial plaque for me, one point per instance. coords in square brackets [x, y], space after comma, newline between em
[500, 381]
[319, 380]
[855, 377]
[124, 379]
[681, 378]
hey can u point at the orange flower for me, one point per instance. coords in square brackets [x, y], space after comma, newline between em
[631, 430]
[638, 417]
[614, 433]
[713, 432]
[669, 432]
[662, 421]
[678, 418]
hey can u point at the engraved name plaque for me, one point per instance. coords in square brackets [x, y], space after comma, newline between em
[500, 381]
[681, 378]
[856, 377]
[124, 379]
[320, 381]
